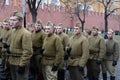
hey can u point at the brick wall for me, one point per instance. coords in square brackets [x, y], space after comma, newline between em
[58, 14]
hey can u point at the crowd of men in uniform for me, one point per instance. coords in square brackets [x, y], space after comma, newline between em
[46, 52]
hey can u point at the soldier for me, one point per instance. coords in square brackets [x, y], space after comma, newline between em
[30, 27]
[20, 48]
[87, 33]
[97, 51]
[78, 51]
[53, 53]
[6, 33]
[64, 39]
[111, 57]
[37, 39]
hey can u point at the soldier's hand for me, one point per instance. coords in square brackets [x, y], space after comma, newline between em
[5, 45]
[54, 68]
[98, 62]
[1, 39]
[80, 68]
[8, 50]
[20, 69]
[69, 50]
[41, 50]
[114, 63]
[105, 36]
[66, 57]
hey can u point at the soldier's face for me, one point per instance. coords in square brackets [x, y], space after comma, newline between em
[14, 22]
[94, 31]
[76, 30]
[58, 29]
[85, 34]
[110, 35]
[6, 24]
[48, 30]
[38, 27]
[31, 29]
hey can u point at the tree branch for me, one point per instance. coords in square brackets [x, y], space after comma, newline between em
[33, 3]
[112, 11]
[110, 5]
[102, 2]
[29, 5]
[38, 4]
[108, 2]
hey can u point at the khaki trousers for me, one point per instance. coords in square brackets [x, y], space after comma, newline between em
[48, 74]
[75, 74]
[107, 66]
[93, 70]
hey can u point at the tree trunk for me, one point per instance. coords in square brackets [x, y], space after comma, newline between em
[34, 16]
[106, 23]
[82, 24]
[25, 20]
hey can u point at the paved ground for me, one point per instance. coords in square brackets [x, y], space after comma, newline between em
[118, 71]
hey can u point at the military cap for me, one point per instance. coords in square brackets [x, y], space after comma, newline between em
[32, 25]
[39, 22]
[88, 31]
[78, 25]
[60, 24]
[110, 31]
[95, 27]
[49, 23]
[18, 14]
[6, 20]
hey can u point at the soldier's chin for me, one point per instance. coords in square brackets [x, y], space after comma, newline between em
[75, 33]
[47, 33]
[13, 27]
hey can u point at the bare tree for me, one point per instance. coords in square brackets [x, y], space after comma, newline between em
[81, 13]
[33, 7]
[110, 6]
[80, 9]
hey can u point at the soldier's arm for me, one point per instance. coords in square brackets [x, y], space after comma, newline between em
[116, 51]
[102, 49]
[27, 49]
[85, 53]
[9, 37]
[59, 51]
[43, 36]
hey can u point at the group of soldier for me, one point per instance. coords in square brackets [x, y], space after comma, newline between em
[46, 52]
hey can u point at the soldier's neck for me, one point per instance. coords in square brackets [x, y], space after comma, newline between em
[19, 27]
[38, 31]
[50, 34]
